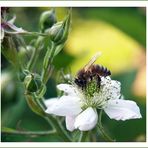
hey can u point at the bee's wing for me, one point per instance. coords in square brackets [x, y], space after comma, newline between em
[92, 60]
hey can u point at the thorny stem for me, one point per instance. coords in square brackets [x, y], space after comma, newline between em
[101, 129]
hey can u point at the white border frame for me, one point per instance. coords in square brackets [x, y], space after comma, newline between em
[78, 4]
[66, 3]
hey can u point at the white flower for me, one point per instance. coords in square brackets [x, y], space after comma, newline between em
[80, 110]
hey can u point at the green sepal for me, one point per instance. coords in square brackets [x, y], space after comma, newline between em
[47, 19]
[33, 105]
[32, 82]
[23, 74]
[32, 87]
[56, 32]
[40, 93]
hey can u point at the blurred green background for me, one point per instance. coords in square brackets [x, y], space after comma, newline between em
[119, 33]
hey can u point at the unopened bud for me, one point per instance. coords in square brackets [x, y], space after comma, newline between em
[56, 32]
[47, 20]
[32, 82]
[59, 32]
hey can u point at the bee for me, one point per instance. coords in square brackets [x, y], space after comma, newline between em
[89, 71]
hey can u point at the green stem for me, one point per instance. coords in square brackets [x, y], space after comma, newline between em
[101, 129]
[55, 123]
[27, 33]
[29, 133]
[60, 130]
[37, 34]
[35, 53]
[83, 136]
[47, 62]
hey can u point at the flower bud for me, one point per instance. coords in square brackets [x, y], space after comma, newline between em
[59, 31]
[56, 32]
[47, 19]
[32, 82]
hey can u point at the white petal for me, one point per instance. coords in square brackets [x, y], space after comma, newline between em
[70, 120]
[86, 120]
[12, 20]
[110, 89]
[65, 106]
[2, 34]
[69, 89]
[50, 102]
[122, 109]
[14, 29]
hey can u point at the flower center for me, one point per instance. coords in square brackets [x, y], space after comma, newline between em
[89, 91]
[94, 95]
[89, 81]
[92, 88]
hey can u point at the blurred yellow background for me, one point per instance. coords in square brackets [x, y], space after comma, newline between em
[120, 53]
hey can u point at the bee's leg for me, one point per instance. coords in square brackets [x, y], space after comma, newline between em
[84, 84]
[98, 80]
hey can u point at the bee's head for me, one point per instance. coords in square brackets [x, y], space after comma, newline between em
[84, 77]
